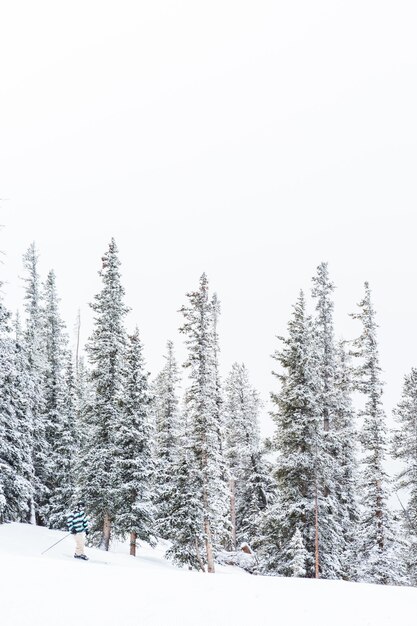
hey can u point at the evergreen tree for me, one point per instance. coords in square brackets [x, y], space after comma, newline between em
[34, 348]
[331, 510]
[3, 502]
[184, 512]
[15, 457]
[404, 448]
[166, 411]
[19, 452]
[249, 474]
[268, 542]
[8, 422]
[376, 535]
[66, 450]
[84, 392]
[219, 410]
[346, 489]
[104, 415]
[296, 556]
[55, 345]
[201, 406]
[133, 464]
[297, 419]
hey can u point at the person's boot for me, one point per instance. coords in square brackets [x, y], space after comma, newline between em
[81, 556]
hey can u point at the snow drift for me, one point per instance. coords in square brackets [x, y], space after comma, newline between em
[116, 589]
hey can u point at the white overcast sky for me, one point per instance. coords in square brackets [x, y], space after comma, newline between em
[249, 140]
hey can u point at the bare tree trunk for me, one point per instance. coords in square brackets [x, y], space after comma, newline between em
[209, 547]
[133, 537]
[232, 484]
[105, 539]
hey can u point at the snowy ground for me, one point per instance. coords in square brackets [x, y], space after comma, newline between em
[114, 589]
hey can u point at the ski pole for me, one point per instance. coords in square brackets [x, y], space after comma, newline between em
[56, 543]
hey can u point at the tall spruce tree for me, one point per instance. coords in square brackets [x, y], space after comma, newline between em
[105, 414]
[377, 549]
[8, 421]
[331, 514]
[55, 345]
[404, 448]
[249, 474]
[297, 419]
[166, 410]
[347, 485]
[18, 452]
[35, 352]
[15, 453]
[23, 461]
[183, 506]
[219, 411]
[201, 407]
[66, 449]
[84, 399]
[133, 467]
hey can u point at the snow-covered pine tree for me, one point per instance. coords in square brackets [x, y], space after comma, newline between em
[15, 452]
[201, 406]
[105, 414]
[55, 345]
[84, 399]
[183, 507]
[9, 448]
[184, 510]
[297, 419]
[219, 412]
[404, 448]
[66, 450]
[296, 555]
[331, 514]
[166, 410]
[347, 486]
[23, 461]
[377, 550]
[249, 474]
[3, 503]
[133, 464]
[34, 348]
[224, 535]
[268, 543]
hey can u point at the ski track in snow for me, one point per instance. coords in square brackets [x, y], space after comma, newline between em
[115, 589]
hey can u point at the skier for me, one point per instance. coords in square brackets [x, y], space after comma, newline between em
[78, 526]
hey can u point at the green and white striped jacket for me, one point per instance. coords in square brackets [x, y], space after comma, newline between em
[77, 521]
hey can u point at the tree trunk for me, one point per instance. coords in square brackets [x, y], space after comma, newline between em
[105, 539]
[133, 537]
[209, 548]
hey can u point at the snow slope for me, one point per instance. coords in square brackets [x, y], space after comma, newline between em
[116, 589]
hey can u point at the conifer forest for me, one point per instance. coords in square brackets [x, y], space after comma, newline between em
[178, 454]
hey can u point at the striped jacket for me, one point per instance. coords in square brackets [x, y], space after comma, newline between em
[77, 521]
